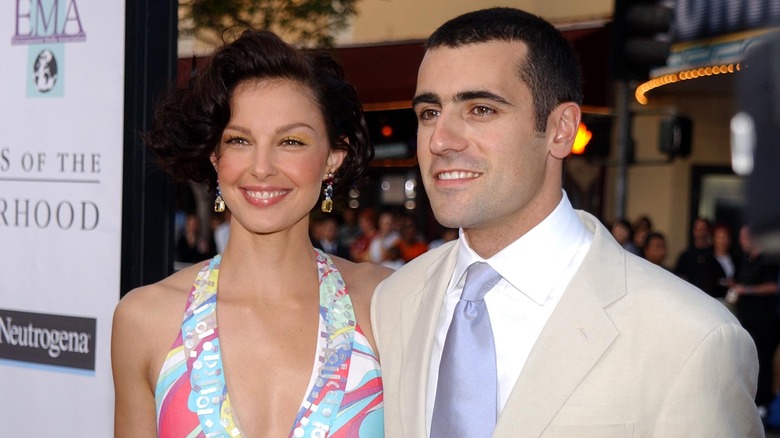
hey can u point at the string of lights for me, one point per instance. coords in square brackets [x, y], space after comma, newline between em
[684, 75]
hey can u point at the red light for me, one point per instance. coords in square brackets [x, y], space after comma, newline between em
[387, 131]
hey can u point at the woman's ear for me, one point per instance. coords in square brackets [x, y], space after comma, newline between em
[335, 159]
[213, 157]
[565, 122]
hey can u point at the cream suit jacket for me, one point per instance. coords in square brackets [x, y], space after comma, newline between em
[629, 351]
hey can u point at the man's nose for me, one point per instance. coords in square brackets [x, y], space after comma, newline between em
[447, 134]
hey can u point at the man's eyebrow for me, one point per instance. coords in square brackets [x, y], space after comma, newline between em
[426, 98]
[465, 96]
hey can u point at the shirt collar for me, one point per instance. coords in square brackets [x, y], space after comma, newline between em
[541, 254]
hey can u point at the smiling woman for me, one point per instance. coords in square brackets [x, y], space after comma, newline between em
[272, 337]
[273, 155]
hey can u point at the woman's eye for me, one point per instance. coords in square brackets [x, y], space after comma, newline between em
[238, 141]
[292, 142]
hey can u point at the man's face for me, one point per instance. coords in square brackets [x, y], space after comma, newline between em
[483, 165]
[655, 251]
[701, 232]
[330, 230]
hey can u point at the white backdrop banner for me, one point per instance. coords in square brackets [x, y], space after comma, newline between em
[61, 120]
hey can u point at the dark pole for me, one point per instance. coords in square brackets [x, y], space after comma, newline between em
[624, 145]
[147, 201]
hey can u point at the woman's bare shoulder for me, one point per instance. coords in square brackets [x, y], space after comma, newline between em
[154, 304]
[171, 287]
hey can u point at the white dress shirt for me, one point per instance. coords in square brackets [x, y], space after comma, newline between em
[536, 269]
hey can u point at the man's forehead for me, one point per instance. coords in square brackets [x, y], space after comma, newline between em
[447, 73]
[499, 50]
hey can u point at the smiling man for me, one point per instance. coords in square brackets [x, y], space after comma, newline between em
[535, 322]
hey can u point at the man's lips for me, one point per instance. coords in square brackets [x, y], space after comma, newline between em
[457, 174]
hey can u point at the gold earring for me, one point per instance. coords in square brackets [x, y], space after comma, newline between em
[327, 203]
[219, 203]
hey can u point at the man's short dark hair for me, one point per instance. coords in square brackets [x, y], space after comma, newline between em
[550, 69]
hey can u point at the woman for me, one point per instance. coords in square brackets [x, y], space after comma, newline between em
[359, 249]
[262, 340]
[385, 238]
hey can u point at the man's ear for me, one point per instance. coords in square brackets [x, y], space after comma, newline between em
[564, 121]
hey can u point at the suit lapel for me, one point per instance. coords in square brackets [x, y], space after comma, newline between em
[576, 336]
[420, 313]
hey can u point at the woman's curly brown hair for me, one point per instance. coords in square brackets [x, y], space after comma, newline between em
[188, 122]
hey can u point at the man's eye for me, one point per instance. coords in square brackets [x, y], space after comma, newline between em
[483, 110]
[428, 114]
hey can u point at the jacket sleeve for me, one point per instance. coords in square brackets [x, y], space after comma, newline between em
[713, 395]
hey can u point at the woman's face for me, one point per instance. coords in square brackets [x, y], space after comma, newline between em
[273, 156]
[385, 223]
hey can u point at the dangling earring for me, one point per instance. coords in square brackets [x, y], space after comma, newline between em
[219, 203]
[327, 203]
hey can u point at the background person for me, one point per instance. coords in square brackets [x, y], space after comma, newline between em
[192, 247]
[327, 237]
[697, 264]
[755, 296]
[725, 254]
[642, 227]
[386, 237]
[655, 248]
[411, 243]
[265, 339]
[624, 235]
[349, 230]
[222, 230]
[359, 251]
[589, 340]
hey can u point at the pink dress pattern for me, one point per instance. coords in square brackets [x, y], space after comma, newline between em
[345, 390]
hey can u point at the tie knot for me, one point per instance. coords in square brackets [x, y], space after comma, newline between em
[480, 278]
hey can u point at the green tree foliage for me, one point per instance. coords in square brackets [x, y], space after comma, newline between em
[305, 23]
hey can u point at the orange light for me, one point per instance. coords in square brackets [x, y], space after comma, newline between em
[694, 73]
[387, 131]
[582, 140]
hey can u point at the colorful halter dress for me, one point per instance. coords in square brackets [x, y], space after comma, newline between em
[345, 390]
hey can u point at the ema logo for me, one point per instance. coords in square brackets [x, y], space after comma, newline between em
[47, 21]
[46, 26]
[45, 71]
[65, 341]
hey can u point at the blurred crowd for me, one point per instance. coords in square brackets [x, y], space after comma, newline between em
[384, 237]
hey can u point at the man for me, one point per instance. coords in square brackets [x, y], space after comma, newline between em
[590, 341]
[326, 237]
[697, 264]
[755, 291]
[655, 248]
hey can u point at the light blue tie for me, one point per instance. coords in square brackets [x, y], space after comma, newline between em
[466, 392]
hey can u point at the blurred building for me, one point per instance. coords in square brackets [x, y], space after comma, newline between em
[383, 48]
